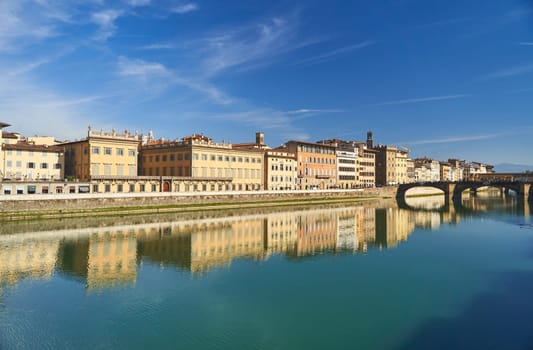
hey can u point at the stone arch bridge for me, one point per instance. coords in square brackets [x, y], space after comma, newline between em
[453, 190]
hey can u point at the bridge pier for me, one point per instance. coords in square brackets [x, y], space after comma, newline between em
[523, 192]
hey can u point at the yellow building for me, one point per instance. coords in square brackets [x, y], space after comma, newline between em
[402, 167]
[207, 165]
[366, 167]
[280, 170]
[445, 171]
[101, 154]
[28, 159]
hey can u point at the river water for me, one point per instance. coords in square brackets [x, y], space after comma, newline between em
[361, 276]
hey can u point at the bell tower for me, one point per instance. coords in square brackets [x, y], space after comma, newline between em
[369, 140]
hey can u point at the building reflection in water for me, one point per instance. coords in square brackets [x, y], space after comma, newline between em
[108, 257]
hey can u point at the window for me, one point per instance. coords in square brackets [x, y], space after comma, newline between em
[120, 151]
[107, 169]
[212, 157]
[119, 188]
[44, 165]
[204, 156]
[19, 152]
[132, 187]
[180, 156]
[95, 188]
[154, 188]
[195, 156]
[107, 188]
[31, 165]
[164, 158]
[220, 158]
[57, 165]
[9, 164]
[96, 150]
[131, 152]
[19, 164]
[107, 151]
[95, 169]
[141, 188]
[172, 157]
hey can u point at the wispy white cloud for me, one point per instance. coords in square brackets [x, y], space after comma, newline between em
[185, 8]
[34, 109]
[106, 22]
[17, 26]
[141, 69]
[248, 46]
[28, 67]
[526, 43]
[313, 111]
[264, 118]
[510, 72]
[138, 3]
[157, 77]
[158, 47]
[453, 139]
[335, 53]
[74, 102]
[421, 100]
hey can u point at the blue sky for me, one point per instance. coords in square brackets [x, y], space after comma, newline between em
[443, 78]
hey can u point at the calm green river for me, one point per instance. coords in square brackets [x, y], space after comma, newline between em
[424, 276]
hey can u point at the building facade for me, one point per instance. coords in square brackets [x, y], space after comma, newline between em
[402, 167]
[427, 170]
[280, 170]
[386, 165]
[317, 164]
[366, 167]
[101, 154]
[210, 165]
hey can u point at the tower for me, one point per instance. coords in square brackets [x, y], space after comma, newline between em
[259, 138]
[369, 140]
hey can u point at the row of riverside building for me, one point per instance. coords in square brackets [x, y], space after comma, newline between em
[132, 162]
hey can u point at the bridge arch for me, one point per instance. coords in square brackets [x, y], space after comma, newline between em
[454, 190]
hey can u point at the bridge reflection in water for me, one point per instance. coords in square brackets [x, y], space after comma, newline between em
[109, 257]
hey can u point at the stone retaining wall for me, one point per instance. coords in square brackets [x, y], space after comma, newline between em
[68, 202]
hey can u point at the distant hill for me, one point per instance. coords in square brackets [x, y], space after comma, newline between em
[512, 168]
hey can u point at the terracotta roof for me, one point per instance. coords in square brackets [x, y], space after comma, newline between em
[10, 135]
[24, 146]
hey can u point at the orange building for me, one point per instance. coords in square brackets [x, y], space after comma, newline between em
[317, 164]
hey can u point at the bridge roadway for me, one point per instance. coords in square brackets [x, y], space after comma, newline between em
[454, 190]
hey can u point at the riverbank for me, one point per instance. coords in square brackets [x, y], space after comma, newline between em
[29, 207]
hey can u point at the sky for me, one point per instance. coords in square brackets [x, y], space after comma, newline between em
[446, 79]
